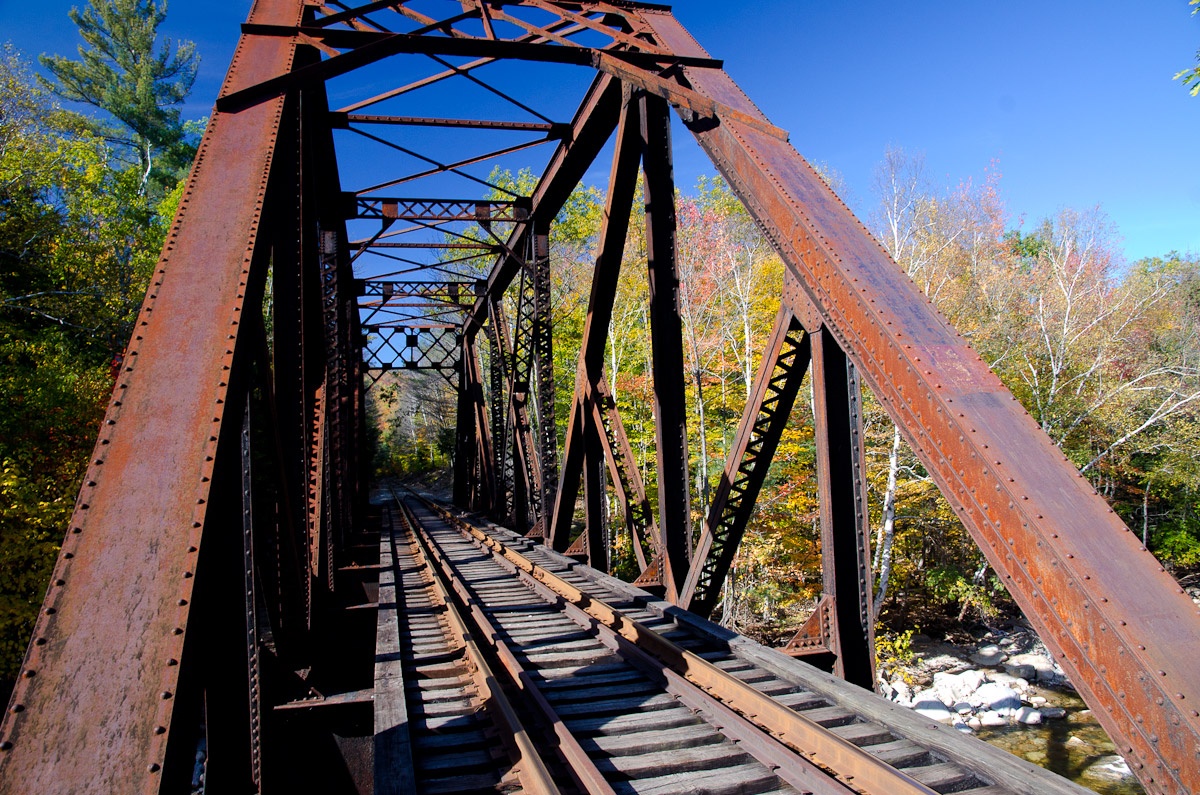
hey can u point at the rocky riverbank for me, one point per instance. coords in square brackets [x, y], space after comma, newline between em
[1006, 688]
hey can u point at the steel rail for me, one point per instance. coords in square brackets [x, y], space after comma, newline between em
[585, 772]
[848, 763]
[796, 770]
[529, 767]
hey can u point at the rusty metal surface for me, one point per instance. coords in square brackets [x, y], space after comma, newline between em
[666, 344]
[842, 492]
[1117, 623]
[614, 227]
[93, 709]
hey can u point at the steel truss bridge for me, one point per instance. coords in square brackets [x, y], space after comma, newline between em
[231, 611]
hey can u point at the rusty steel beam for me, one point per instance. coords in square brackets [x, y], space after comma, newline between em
[626, 479]
[543, 364]
[95, 721]
[666, 344]
[614, 227]
[340, 120]
[842, 506]
[435, 209]
[1119, 625]
[594, 503]
[449, 292]
[366, 47]
[559, 533]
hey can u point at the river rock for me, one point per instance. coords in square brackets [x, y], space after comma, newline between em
[963, 727]
[963, 708]
[993, 719]
[956, 687]
[996, 697]
[1037, 701]
[988, 655]
[1043, 667]
[902, 692]
[929, 704]
[1053, 713]
[1019, 670]
[1075, 742]
[1108, 768]
[1008, 680]
[1029, 716]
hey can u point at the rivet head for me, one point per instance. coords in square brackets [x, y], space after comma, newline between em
[152, 767]
[29, 673]
[160, 729]
[17, 708]
[177, 631]
[5, 746]
[166, 694]
[172, 661]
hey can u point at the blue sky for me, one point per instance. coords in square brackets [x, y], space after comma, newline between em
[1073, 100]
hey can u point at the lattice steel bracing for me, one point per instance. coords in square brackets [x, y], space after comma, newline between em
[146, 645]
[527, 487]
[783, 367]
[498, 382]
[543, 362]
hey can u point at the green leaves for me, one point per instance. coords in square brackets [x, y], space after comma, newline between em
[121, 72]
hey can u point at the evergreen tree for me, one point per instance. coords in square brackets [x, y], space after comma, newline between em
[120, 72]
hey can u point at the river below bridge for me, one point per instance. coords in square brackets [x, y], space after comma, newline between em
[1074, 746]
[1002, 686]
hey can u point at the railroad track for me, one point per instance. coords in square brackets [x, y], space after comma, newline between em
[595, 686]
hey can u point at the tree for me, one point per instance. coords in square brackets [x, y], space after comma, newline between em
[1191, 77]
[120, 73]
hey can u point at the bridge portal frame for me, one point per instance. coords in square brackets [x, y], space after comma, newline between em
[123, 668]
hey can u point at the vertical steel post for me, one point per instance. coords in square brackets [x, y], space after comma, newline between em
[594, 491]
[497, 378]
[845, 552]
[465, 448]
[622, 184]
[666, 341]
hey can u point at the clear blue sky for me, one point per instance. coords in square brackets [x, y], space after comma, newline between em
[1073, 99]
